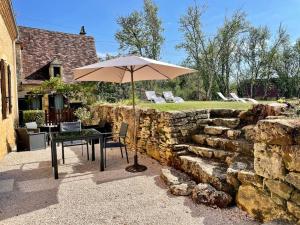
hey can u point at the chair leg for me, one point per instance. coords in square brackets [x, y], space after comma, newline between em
[81, 150]
[105, 157]
[126, 154]
[63, 153]
[121, 152]
[87, 151]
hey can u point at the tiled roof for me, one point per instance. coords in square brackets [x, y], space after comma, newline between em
[40, 47]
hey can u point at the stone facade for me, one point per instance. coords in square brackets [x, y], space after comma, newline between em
[157, 132]
[277, 164]
[8, 36]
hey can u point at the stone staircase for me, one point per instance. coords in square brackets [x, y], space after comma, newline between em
[219, 153]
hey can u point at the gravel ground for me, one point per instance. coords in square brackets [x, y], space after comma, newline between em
[83, 195]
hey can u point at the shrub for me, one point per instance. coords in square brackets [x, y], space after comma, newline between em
[37, 116]
[84, 115]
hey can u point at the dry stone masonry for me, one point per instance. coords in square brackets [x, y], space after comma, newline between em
[276, 193]
[222, 157]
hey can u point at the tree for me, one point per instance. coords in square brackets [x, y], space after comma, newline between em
[228, 42]
[254, 49]
[270, 58]
[141, 33]
[200, 51]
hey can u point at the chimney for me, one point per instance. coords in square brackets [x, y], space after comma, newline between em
[82, 31]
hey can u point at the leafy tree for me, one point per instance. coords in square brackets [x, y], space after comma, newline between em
[254, 50]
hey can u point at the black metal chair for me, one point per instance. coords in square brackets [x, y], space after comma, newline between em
[69, 127]
[117, 144]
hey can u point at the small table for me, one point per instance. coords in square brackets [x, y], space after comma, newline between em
[84, 134]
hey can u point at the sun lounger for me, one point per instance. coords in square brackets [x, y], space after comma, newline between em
[151, 96]
[224, 98]
[169, 97]
[235, 96]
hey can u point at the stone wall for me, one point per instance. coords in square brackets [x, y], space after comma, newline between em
[275, 193]
[8, 35]
[157, 131]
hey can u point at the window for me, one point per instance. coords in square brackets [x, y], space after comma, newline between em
[56, 71]
[3, 89]
[6, 92]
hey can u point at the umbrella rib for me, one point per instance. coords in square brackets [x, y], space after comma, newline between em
[159, 72]
[89, 73]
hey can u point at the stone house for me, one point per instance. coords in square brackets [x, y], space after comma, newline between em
[8, 78]
[42, 54]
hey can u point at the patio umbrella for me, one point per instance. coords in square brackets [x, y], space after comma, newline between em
[130, 69]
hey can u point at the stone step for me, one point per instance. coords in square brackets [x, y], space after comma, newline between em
[239, 145]
[215, 130]
[241, 171]
[205, 171]
[226, 122]
[209, 153]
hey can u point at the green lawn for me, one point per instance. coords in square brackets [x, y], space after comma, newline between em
[197, 105]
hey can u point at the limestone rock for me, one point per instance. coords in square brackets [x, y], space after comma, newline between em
[291, 157]
[249, 132]
[250, 177]
[209, 152]
[237, 165]
[278, 132]
[278, 200]
[280, 188]
[259, 205]
[294, 179]
[215, 130]
[183, 189]
[226, 122]
[200, 138]
[205, 171]
[268, 162]
[173, 177]
[233, 134]
[208, 195]
[293, 209]
[295, 197]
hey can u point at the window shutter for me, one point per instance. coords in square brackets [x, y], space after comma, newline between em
[9, 89]
[3, 89]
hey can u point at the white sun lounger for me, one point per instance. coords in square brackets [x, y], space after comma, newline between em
[224, 98]
[235, 96]
[169, 97]
[151, 96]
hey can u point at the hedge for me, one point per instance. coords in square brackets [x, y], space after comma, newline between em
[37, 116]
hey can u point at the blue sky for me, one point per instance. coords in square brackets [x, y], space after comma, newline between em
[99, 18]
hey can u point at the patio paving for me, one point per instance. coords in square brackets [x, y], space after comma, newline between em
[83, 195]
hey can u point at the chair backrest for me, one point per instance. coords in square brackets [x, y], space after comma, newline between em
[31, 125]
[70, 126]
[150, 95]
[222, 96]
[168, 95]
[123, 129]
[234, 95]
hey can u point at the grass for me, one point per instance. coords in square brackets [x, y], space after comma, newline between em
[197, 105]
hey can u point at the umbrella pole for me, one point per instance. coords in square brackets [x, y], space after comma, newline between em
[136, 167]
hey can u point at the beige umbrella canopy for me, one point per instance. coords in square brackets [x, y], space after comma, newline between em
[130, 69]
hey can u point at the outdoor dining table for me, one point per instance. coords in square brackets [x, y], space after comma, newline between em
[84, 134]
